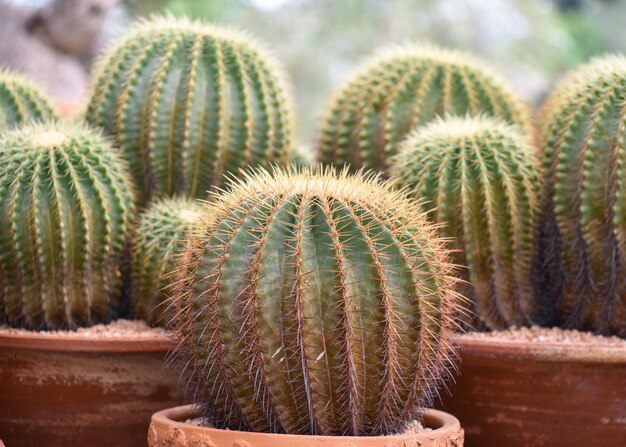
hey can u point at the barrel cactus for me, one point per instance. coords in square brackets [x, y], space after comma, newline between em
[187, 102]
[66, 206]
[583, 148]
[401, 88]
[314, 304]
[477, 176]
[160, 234]
[21, 102]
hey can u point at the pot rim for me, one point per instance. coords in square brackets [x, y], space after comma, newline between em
[81, 343]
[448, 426]
[543, 351]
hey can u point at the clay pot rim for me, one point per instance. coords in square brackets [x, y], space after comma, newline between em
[169, 419]
[82, 343]
[544, 351]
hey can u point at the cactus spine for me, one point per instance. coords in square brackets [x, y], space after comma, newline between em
[21, 102]
[160, 235]
[65, 210]
[583, 150]
[314, 304]
[188, 102]
[401, 88]
[478, 178]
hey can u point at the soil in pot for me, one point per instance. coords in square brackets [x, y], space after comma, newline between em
[97, 386]
[181, 427]
[540, 387]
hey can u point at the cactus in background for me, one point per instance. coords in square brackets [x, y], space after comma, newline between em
[189, 102]
[478, 178]
[159, 237]
[66, 206]
[21, 102]
[401, 88]
[314, 304]
[302, 156]
[583, 150]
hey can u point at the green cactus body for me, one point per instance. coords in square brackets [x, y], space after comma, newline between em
[21, 102]
[314, 304]
[477, 176]
[66, 206]
[404, 87]
[189, 102]
[583, 150]
[161, 233]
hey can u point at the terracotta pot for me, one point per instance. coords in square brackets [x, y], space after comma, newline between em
[516, 394]
[166, 430]
[70, 391]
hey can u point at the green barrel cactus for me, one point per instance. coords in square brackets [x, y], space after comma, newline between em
[21, 102]
[188, 102]
[477, 176]
[400, 89]
[583, 150]
[66, 207]
[160, 234]
[314, 304]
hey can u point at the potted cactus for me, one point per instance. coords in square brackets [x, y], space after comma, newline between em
[66, 204]
[311, 309]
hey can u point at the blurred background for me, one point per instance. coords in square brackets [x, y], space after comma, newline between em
[320, 42]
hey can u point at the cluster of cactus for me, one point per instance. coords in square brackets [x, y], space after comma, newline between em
[66, 208]
[404, 87]
[187, 103]
[21, 102]
[159, 236]
[583, 149]
[314, 304]
[477, 177]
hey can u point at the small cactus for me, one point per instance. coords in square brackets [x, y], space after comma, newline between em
[477, 176]
[66, 206]
[404, 87]
[160, 234]
[187, 103]
[21, 102]
[313, 304]
[583, 150]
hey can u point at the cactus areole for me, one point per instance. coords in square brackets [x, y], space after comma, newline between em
[314, 304]
[401, 88]
[187, 102]
[583, 150]
[66, 207]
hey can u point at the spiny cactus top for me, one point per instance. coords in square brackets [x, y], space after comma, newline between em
[21, 101]
[314, 304]
[401, 88]
[583, 149]
[161, 233]
[188, 102]
[478, 178]
[66, 206]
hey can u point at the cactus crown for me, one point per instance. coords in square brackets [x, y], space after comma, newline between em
[188, 102]
[314, 304]
[583, 145]
[478, 178]
[21, 102]
[403, 87]
[65, 209]
[160, 234]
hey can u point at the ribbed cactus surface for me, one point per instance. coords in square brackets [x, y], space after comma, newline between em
[401, 88]
[583, 150]
[21, 101]
[188, 102]
[478, 178]
[159, 236]
[66, 207]
[314, 304]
